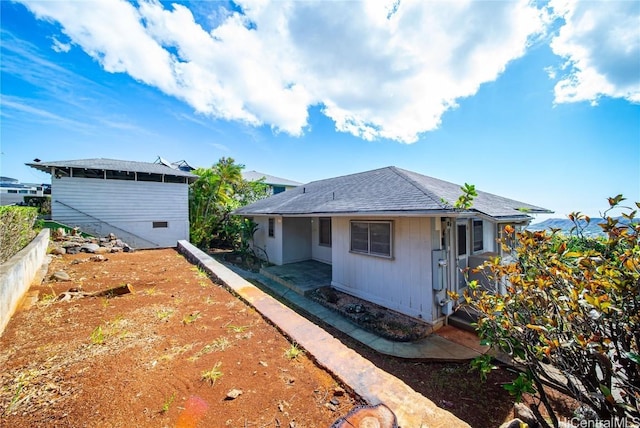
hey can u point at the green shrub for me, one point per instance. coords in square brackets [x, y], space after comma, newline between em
[16, 229]
[571, 316]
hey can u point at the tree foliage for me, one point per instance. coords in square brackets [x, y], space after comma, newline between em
[571, 315]
[213, 196]
[16, 229]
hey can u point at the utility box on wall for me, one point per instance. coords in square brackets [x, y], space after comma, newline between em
[439, 269]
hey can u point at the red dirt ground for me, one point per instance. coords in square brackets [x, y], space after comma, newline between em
[137, 360]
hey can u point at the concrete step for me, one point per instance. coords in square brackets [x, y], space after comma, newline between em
[463, 318]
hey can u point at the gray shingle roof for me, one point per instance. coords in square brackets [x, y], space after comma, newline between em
[113, 165]
[389, 190]
[268, 179]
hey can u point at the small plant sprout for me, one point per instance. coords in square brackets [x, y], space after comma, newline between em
[97, 336]
[47, 299]
[293, 352]
[164, 314]
[192, 317]
[200, 272]
[167, 403]
[213, 375]
[237, 328]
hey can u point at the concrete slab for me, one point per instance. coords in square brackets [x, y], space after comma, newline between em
[374, 385]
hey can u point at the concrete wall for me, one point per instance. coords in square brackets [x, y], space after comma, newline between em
[17, 273]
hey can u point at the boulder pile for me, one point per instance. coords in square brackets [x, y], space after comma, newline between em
[74, 243]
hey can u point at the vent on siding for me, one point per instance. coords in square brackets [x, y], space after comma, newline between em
[160, 224]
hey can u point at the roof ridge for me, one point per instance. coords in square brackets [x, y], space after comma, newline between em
[402, 173]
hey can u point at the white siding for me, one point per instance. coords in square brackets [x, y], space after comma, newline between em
[403, 282]
[319, 252]
[125, 208]
[264, 244]
[297, 245]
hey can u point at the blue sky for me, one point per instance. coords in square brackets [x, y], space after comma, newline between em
[539, 102]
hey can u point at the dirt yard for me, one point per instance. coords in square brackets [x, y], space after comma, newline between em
[179, 351]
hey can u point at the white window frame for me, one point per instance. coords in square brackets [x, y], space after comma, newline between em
[369, 252]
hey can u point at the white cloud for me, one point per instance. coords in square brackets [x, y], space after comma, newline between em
[600, 42]
[379, 69]
[59, 46]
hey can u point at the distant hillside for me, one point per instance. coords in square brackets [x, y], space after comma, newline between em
[565, 225]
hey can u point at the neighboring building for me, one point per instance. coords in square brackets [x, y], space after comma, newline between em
[391, 236]
[144, 204]
[13, 192]
[276, 184]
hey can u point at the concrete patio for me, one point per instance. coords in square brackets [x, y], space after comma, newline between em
[301, 277]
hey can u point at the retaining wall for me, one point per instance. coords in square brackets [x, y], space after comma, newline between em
[371, 383]
[17, 273]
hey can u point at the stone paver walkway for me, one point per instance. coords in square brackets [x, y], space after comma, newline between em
[368, 381]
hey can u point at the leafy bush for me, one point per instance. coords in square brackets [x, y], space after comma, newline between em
[16, 229]
[218, 191]
[571, 316]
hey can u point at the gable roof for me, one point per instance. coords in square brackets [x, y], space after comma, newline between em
[269, 179]
[113, 165]
[389, 190]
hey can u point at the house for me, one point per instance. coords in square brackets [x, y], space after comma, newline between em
[391, 236]
[13, 192]
[276, 184]
[144, 204]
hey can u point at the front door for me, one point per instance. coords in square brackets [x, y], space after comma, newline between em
[462, 255]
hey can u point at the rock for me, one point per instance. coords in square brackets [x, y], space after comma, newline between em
[127, 249]
[89, 247]
[233, 394]
[111, 237]
[331, 407]
[514, 423]
[334, 401]
[103, 250]
[60, 276]
[524, 413]
[73, 250]
[58, 251]
[98, 258]
[115, 249]
[368, 416]
[69, 244]
[338, 391]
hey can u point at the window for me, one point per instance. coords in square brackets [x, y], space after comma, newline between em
[278, 189]
[477, 235]
[371, 237]
[324, 231]
[462, 239]
[13, 191]
[160, 224]
[120, 175]
[271, 227]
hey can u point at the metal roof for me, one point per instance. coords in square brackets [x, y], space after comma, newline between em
[269, 179]
[113, 165]
[390, 190]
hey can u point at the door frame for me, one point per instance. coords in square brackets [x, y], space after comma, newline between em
[461, 259]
